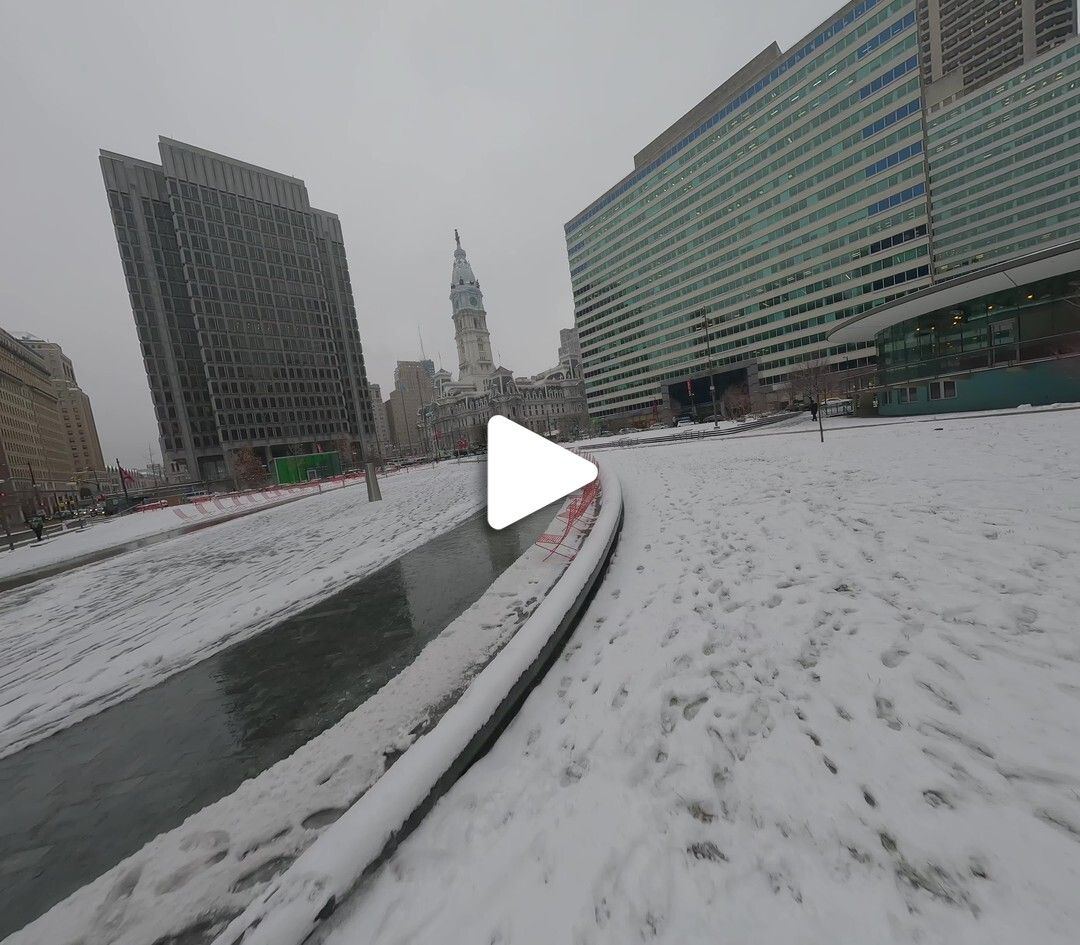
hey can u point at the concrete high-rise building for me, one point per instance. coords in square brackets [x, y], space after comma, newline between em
[382, 424]
[243, 306]
[76, 415]
[570, 351]
[964, 44]
[797, 195]
[412, 391]
[36, 470]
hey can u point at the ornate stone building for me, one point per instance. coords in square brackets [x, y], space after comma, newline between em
[551, 403]
[76, 413]
[36, 468]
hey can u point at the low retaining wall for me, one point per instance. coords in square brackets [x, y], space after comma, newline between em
[310, 890]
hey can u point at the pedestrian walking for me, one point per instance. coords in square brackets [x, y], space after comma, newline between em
[37, 526]
[813, 410]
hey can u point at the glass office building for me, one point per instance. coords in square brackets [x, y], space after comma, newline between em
[816, 185]
[997, 337]
[792, 197]
[1004, 166]
[1000, 326]
[243, 306]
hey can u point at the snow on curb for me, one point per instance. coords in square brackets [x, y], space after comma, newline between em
[311, 888]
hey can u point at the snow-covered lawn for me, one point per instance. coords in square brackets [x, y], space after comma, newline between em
[75, 644]
[645, 435]
[826, 693]
[104, 534]
[96, 536]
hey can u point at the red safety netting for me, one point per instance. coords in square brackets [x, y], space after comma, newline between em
[580, 502]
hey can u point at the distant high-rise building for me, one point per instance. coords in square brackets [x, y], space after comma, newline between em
[76, 414]
[964, 44]
[243, 306]
[412, 391]
[36, 470]
[382, 425]
[570, 351]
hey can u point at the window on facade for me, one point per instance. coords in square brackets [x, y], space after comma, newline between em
[942, 390]
[907, 395]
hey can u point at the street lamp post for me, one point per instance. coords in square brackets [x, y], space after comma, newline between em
[712, 375]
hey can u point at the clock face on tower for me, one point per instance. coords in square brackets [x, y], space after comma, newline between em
[473, 300]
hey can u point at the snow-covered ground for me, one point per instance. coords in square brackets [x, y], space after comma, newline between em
[97, 535]
[199, 875]
[645, 435]
[103, 534]
[827, 693]
[75, 644]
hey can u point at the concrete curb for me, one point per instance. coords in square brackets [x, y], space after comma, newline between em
[368, 833]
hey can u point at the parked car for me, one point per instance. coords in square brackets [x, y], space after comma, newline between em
[685, 421]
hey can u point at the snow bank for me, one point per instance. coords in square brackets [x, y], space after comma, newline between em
[75, 644]
[206, 871]
[326, 872]
[827, 693]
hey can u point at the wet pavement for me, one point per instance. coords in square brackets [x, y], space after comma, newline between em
[80, 801]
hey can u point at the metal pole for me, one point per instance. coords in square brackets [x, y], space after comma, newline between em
[373, 492]
[712, 376]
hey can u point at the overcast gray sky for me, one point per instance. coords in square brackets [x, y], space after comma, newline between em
[406, 118]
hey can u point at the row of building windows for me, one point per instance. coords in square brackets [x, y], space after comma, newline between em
[816, 44]
[935, 390]
[778, 139]
[589, 296]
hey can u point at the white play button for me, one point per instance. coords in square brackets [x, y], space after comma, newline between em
[525, 472]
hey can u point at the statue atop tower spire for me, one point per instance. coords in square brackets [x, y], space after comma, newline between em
[457, 239]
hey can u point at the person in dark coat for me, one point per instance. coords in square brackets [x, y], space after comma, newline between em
[37, 526]
[813, 410]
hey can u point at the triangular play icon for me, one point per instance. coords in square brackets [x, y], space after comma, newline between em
[525, 472]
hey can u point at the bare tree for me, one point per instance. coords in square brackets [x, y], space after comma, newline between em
[736, 401]
[347, 451]
[248, 469]
[813, 381]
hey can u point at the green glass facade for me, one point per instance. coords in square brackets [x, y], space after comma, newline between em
[800, 202]
[1004, 166]
[1034, 322]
